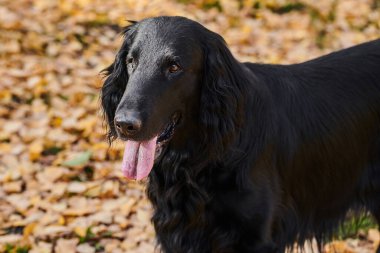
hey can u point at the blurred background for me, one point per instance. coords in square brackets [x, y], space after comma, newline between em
[61, 189]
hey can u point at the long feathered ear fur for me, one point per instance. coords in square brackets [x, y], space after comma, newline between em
[116, 81]
[221, 95]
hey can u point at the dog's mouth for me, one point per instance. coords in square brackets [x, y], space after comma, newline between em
[165, 136]
[139, 157]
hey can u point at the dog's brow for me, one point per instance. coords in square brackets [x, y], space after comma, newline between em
[133, 53]
[171, 58]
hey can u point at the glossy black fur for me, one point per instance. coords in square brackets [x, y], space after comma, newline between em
[265, 155]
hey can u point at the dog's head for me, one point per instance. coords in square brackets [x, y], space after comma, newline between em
[173, 81]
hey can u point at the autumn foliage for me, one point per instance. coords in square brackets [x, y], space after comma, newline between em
[61, 189]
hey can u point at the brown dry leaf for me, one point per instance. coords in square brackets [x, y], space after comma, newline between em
[85, 248]
[94, 191]
[32, 218]
[144, 215]
[79, 211]
[110, 188]
[13, 187]
[66, 245]
[52, 230]
[51, 174]
[76, 187]
[59, 189]
[374, 237]
[35, 150]
[10, 239]
[111, 245]
[11, 127]
[42, 247]
[122, 221]
[126, 208]
[102, 217]
[20, 202]
[128, 245]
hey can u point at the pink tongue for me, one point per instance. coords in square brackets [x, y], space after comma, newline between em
[138, 158]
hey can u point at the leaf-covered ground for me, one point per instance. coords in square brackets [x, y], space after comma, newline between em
[61, 189]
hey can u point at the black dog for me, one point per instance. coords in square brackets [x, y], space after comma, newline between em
[244, 157]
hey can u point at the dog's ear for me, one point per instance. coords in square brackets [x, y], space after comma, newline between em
[221, 95]
[116, 80]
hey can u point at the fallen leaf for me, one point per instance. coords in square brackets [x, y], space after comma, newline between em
[102, 217]
[13, 187]
[35, 150]
[66, 245]
[10, 239]
[85, 248]
[80, 159]
[76, 187]
[374, 237]
[80, 231]
[53, 230]
[79, 211]
[28, 230]
[42, 247]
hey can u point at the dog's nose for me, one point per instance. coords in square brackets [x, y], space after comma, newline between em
[128, 125]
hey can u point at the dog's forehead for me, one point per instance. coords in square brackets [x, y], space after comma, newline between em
[167, 34]
[164, 25]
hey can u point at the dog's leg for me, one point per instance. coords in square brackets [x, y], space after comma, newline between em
[258, 237]
[264, 198]
[252, 233]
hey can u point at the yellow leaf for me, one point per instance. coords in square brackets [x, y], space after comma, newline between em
[80, 231]
[79, 211]
[28, 230]
[87, 125]
[5, 95]
[56, 122]
[94, 191]
[35, 149]
[35, 200]
[61, 220]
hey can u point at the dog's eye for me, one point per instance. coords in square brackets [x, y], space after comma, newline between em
[174, 67]
[130, 60]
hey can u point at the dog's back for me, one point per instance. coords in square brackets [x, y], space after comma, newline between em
[327, 116]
